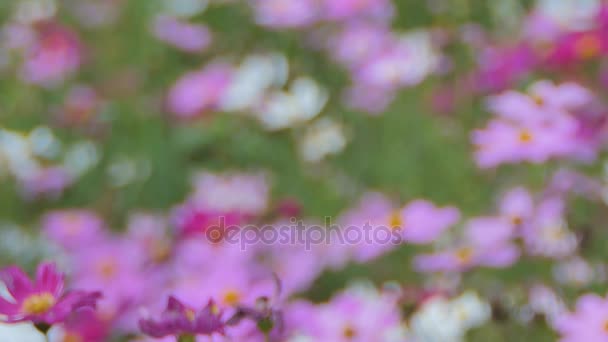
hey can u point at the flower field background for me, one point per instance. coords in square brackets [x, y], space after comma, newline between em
[473, 130]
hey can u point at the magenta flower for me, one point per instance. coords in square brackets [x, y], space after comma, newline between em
[588, 323]
[54, 56]
[42, 301]
[500, 67]
[84, 325]
[178, 320]
[578, 47]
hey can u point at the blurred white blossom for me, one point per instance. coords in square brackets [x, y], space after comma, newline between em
[324, 137]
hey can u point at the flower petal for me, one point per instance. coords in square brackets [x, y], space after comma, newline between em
[17, 282]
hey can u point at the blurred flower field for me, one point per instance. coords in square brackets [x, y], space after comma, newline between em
[303, 170]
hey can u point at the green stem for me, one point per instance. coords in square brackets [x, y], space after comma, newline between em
[186, 338]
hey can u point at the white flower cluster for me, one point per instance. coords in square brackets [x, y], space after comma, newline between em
[260, 88]
[444, 320]
[26, 158]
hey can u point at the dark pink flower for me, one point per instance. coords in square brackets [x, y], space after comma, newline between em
[43, 300]
[178, 319]
[578, 47]
[84, 325]
[55, 55]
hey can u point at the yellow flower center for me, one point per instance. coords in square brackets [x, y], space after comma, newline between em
[161, 252]
[38, 304]
[464, 254]
[190, 314]
[107, 268]
[71, 337]
[73, 224]
[516, 220]
[349, 332]
[588, 46]
[605, 326]
[395, 221]
[232, 297]
[538, 100]
[215, 309]
[525, 136]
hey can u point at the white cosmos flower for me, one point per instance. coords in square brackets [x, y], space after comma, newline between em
[21, 332]
[243, 193]
[324, 137]
[423, 59]
[435, 322]
[471, 310]
[304, 100]
[29, 11]
[570, 14]
[252, 80]
[81, 157]
[185, 8]
[16, 151]
[443, 320]
[575, 271]
[43, 142]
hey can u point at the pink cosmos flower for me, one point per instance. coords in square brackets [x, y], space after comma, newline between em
[369, 99]
[548, 234]
[179, 320]
[84, 325]
[517, 206]
[285, 13]
[536, 127]
[381, 10]
[185, 36]
[150, 235]
[388, 69]
[358, 42]
[589, 322]
[191, 220]
[294, 265]
[500, 67]
[42, 301]
[421, 222]
[578, 47]
[55, 55]
[80, 107]
[199, 91]
[239, 192]
[114, 266]
[49, 181]
[488, 242]
[73, 228]
[373, 209]
[234, 284]
[356, 314]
